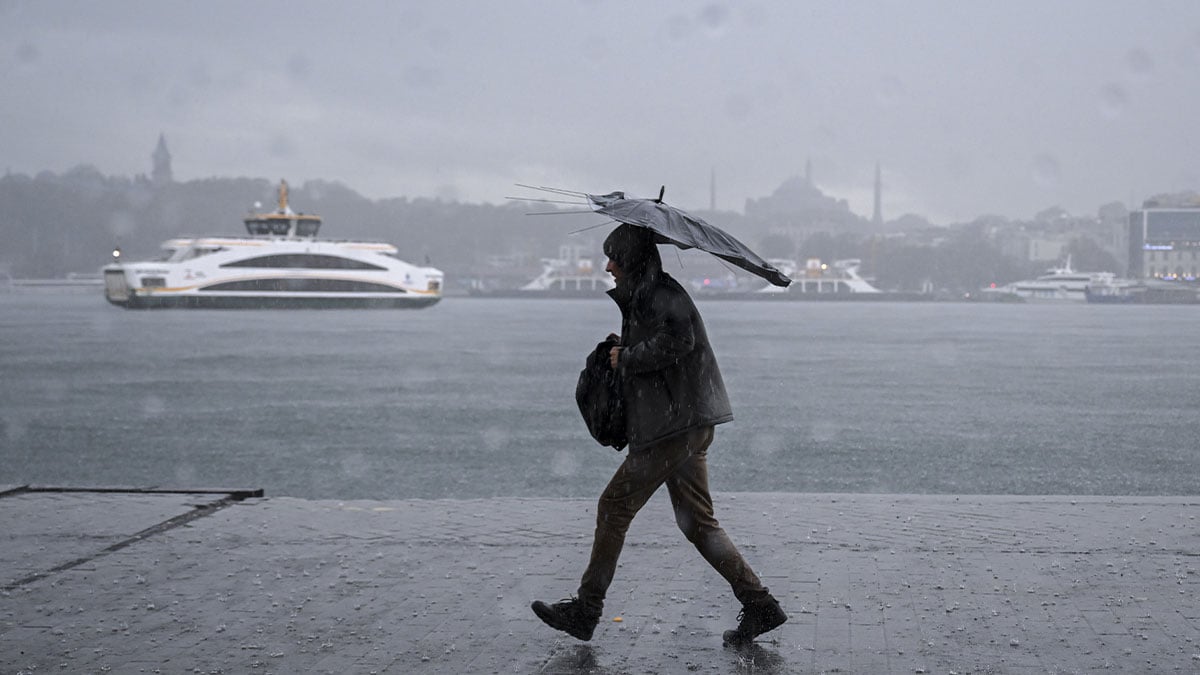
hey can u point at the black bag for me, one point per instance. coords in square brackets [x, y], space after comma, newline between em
[598, 395]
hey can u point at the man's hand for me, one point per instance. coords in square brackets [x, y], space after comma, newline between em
[613, 355]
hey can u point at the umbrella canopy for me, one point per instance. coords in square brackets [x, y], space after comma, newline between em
[675, 226]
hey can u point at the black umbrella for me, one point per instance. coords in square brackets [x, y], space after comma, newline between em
[676, 226]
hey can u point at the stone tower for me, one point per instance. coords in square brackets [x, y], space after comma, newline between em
[712, 189]
[161, 174]
[877, 218]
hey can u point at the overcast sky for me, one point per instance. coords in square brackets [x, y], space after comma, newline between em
[971, 107]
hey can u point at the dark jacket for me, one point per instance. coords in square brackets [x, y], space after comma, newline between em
[669, 374]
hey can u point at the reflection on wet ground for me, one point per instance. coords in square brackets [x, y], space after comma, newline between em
[575, 659]
[757, 659]
[588, 659]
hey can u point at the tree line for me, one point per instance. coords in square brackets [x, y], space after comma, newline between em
[52, 225]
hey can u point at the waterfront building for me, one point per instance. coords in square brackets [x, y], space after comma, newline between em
[1164, 242]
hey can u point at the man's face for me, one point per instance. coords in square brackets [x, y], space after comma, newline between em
[615, 270]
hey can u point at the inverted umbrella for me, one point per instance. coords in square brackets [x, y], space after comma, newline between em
[672, 225]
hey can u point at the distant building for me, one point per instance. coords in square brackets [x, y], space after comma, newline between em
[161, 174]
[1164, 242]
[1031, 245]
[797, 204]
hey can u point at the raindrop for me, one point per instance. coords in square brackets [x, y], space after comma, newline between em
[1139, 61]
[1046, 170]
[14, 429]
[738, 107]
[299, 67]
[714, 17]
[1113, 100]
[280, 146]
[824, 431]
[565, 464]
[891, 92]
[447, 193]
[766, 444]
[27, 53]
[679, 27]
[421, 77]
[355, 465]
[152, 406]
[185, 474]
[494, 438]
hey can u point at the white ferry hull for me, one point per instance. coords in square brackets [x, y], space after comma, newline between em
[279, 265]
[120, 292]
[265, 302]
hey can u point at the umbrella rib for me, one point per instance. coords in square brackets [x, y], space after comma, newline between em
[725, 264]
[592, 227]
[543, 188]
[547, 201]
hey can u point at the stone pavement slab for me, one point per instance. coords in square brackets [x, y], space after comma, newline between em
[873, 584]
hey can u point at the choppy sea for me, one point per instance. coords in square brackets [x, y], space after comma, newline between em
[475, 398]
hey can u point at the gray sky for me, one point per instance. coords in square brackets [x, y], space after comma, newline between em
[971, 107]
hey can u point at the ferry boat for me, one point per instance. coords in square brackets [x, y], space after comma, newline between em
[1059, 284]
[1145, 292]
[571, 275]
[820, 280]
[279, 264]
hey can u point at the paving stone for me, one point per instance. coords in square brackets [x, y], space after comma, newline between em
[872, 583]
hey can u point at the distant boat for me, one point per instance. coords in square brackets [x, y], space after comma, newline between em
[1058, 284]
[72, 283]
[841, 278]
[571, 275]
[1146, 292]
[281, 264]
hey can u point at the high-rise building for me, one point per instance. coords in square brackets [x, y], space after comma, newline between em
[1164, 242]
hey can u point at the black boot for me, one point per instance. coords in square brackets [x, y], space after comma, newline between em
[569, 616]
[756, 618]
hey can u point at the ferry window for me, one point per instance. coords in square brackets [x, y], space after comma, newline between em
[304, 286]
[197, 252]
[304, 261]
[307, 228]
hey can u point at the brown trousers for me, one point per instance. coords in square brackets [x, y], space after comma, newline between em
[681, 463]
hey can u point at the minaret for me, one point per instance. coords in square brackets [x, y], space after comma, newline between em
[161, 174]
[712, 190]
[878, 217]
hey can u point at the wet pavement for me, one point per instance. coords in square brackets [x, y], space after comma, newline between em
[226, 582]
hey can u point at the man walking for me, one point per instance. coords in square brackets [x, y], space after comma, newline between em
[674, 396]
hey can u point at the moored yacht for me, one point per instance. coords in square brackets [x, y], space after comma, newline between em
[1059, 284]
[573, 274]
[280, 263]
[841, 278]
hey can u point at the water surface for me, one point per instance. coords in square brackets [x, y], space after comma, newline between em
[475, 398]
